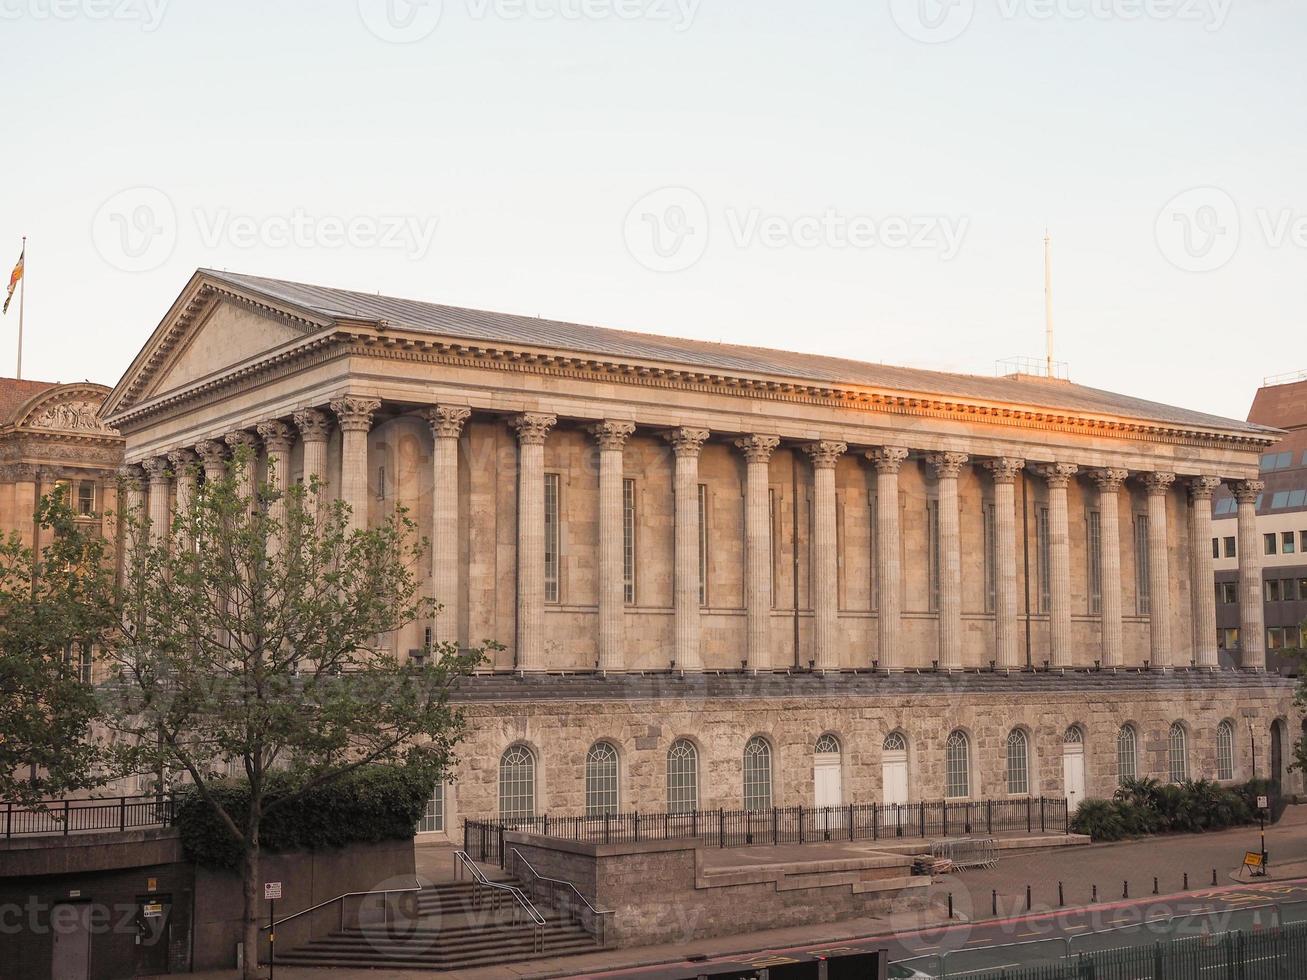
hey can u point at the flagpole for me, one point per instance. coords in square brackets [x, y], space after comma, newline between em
[22, 294]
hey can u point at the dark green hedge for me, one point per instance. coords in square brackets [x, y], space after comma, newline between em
[1145, 806]
[372, 804]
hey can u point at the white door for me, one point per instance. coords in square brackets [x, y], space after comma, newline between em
[828, 783]
[894, 784]
[1073, 775]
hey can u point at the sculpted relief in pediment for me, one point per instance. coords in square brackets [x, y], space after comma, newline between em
[69, 416]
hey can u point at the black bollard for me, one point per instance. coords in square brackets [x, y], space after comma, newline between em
[1125, 889]
[950, 905]
[1213, 876]
[1095, 895]
[1027, 898]
[993, 902]
[1060, 900]
[1186, 881]
[1154, 884]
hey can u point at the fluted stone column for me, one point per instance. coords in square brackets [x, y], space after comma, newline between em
[1007, 646]
[532, 429]
[758, 451]
[157, 471]
[278, 438]
[889, 562]
[686, 444]
[825, 554]
[213, 459]
[1109, 526]
[947, 467]
[184, 463]
[1058, 476]
[611, 435]
[1252, 622]
[1159, 570]
[354, 415]
[1203, 581]
[315, 429]
[244, 452]
[446, 426]
[131, 479]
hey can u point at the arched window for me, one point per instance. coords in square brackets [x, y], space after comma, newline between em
[517, 783]
[1126, 754]
[682, 777]
[1225, 750]
[1074, 736]
[600, 780]
[757, 774]
[957, 766]
[828, 744]
[1018, 763]
[1179, 753]
[895, 742]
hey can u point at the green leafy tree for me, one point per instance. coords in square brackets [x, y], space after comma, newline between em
[54, 604]
[253, 644]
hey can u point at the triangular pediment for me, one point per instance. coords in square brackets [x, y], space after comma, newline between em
[212, 329]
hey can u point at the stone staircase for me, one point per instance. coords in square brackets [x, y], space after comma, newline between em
[448, 927]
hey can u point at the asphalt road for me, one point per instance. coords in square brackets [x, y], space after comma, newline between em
[1042, 938]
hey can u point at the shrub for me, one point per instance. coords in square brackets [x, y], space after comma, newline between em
[1144, 806]
[372, 804]
[1100, 820]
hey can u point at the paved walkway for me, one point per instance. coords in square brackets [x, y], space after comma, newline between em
[1077, 867]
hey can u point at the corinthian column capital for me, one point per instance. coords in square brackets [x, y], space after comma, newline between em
[686, 442]
[314, 425]
[612, 433]
[156, 467]
[1202, 487]
[887, 459]
[532, 428]
[1247, 491]
[1109, 480]
[825, 454]
[182, 460]
[947, 465]
[1004, 469]
[1157, 483]
[446, 421]
[1057, 475]
[354, 412]
[756, 448]
[277, 436]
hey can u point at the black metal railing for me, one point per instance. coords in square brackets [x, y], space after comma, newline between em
[88, 815]
[484, 839]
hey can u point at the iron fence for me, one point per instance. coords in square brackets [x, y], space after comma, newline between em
[483, 839]
[80, 816]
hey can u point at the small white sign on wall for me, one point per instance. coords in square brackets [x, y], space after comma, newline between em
[271, 890]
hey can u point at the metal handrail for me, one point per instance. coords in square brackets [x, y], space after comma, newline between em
[462, 860]
[598, 916]
[341, 898]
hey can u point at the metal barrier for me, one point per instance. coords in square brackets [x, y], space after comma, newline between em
[782, 825]
[87, 815]
[967, 852]
[463, 862]
[562, 895]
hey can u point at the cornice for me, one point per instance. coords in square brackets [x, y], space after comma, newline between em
[396, 345]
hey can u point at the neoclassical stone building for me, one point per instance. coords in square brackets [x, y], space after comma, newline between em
[728, 576]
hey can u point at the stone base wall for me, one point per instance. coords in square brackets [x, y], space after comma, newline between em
[658, 892]
[560, 718]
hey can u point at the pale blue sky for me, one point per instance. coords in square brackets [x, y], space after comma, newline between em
[528, 140]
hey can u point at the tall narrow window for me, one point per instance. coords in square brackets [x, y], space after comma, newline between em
[1094, 547]
[433, 820]
[1126, 767]
[932, 552]
[1142, 584]
[600, 780]
[703, 544]
[991, 560]
[682, 777]
[1178, 743]
[552, 481]
[874, 548]
[1225, 750]
[957, 766]
[1018, 763]
[628, 542]
[381, 483]
[757, 774]
[1041, 535]
[771, 529]
[85, 498]
[517, 783]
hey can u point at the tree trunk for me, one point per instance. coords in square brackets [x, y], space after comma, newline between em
[250, 871]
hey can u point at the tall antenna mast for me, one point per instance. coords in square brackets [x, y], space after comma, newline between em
[1048, 300]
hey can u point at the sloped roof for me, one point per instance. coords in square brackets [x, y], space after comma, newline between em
[508, 328]
[14, 394]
